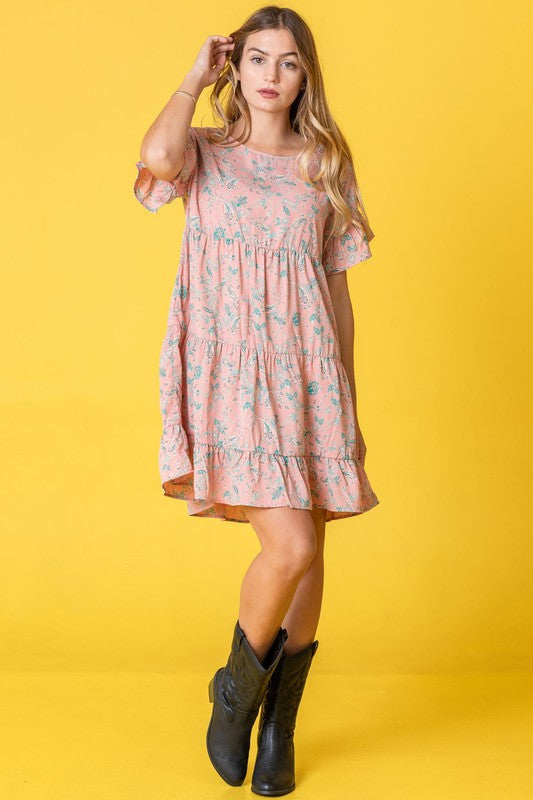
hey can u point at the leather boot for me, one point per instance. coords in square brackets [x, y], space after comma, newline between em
[274, 766]
[237, 691]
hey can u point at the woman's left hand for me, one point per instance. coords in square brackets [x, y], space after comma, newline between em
[360, 446]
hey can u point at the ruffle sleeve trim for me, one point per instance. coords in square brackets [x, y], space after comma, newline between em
[154, 192]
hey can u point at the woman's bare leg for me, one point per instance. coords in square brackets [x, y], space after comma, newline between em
[290, 543]
[301, 620]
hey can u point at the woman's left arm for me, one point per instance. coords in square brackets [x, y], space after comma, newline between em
[342, 306]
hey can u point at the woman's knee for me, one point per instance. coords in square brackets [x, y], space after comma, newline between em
[288, 538]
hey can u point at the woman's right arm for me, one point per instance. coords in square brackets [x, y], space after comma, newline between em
[163, 146]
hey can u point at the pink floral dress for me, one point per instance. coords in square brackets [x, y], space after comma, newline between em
[255, 400]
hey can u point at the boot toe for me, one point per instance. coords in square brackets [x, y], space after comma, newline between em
[230, 771]
[271, 786]
[273, 773]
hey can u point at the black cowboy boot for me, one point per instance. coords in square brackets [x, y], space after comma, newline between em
[237, 691]
[274, 766]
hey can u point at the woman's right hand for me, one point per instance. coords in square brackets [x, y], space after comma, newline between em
[212, 52]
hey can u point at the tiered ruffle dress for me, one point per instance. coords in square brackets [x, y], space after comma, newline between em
[255, 400]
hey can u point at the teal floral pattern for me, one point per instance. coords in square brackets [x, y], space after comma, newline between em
[255, 400]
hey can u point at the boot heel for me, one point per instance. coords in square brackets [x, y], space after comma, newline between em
[211, 689]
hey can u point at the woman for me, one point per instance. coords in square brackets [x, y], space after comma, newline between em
[257, 382]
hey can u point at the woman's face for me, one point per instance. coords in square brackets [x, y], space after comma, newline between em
[270, 61]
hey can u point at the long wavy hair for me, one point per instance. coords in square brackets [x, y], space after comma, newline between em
[309, 116]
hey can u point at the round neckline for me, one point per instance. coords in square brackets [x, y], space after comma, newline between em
[262, 152]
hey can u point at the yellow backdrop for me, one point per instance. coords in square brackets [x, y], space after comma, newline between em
[100, 571]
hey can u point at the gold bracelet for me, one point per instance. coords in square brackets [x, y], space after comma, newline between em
[182, 91]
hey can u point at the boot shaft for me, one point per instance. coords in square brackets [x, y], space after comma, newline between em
[285, 689]
[245, 677]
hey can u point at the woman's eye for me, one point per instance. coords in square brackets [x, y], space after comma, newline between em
[284, 62]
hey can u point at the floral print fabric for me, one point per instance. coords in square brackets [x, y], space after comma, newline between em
[255, 400]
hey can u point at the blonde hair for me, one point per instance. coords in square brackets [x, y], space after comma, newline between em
[309, 115]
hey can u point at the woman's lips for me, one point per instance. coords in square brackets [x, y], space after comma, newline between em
[266, 93]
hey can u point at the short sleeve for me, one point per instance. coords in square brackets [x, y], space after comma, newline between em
[351, 247]
[154, 192]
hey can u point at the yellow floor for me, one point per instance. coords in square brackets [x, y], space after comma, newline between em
[104, 736]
